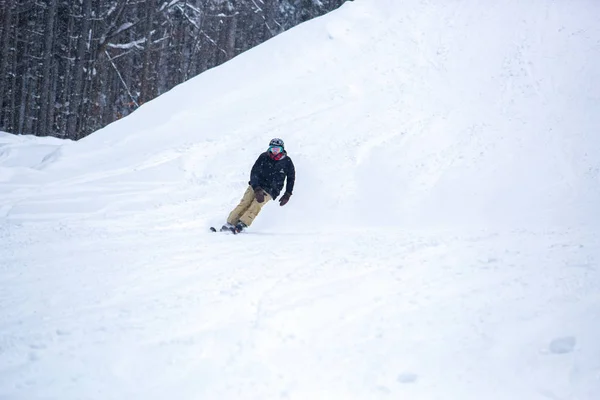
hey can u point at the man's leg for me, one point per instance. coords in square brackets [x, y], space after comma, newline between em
[252, 211]
[246, 201]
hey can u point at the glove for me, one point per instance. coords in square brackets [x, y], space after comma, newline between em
[284, 199]
[259, 194]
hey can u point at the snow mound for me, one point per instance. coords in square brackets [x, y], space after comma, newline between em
[411, 114]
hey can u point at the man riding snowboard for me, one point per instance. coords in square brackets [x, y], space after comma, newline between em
[266, 181]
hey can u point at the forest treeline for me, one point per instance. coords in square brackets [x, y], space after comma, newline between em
[68, 68]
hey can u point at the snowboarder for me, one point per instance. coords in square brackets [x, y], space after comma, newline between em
[266, 181]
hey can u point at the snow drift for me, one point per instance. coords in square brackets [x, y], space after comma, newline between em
[415, 113]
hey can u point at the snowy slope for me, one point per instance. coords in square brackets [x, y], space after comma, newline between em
[441, 243]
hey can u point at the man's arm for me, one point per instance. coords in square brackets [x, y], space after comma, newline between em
[255, 172]
[291, 177]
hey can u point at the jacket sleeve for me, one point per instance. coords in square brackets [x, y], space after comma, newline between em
[291, 177]
[255, 172]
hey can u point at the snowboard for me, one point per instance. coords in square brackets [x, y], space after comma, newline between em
[223, 229]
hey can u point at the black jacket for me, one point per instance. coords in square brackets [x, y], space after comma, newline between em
[269, 174]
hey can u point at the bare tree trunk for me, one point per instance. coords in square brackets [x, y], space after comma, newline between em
[270, 25]
[28, 102]
[44, 125]
[147, 76]
[229, 37]
[5, 31]
[67, 40]
[10, 115]
[31, 26]
[76, 92]
[52, 128]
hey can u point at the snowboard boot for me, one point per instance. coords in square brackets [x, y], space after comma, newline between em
[227, 227]
[239, 227]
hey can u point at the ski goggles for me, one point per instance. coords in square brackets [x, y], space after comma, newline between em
[275, 149]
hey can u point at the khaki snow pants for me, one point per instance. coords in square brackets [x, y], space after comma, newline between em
[248, 208]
